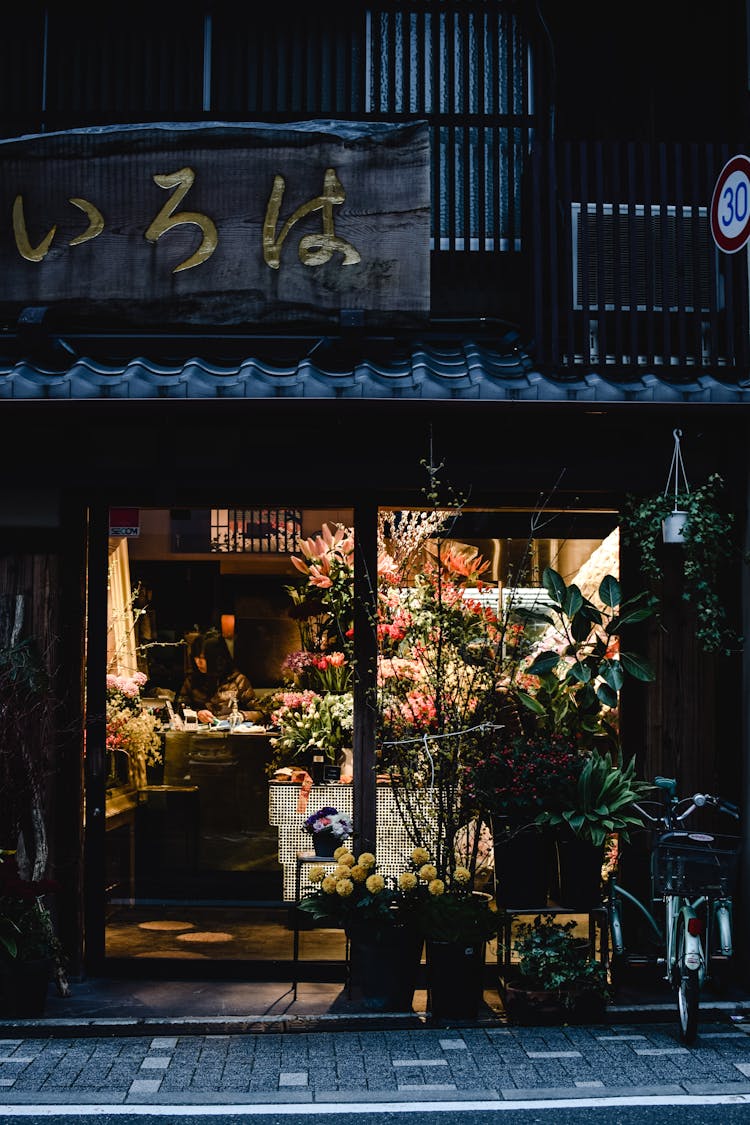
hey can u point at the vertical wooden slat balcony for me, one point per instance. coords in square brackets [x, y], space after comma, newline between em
[626, 278]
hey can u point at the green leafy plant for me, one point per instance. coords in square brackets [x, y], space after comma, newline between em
[708, 539]
[26, 929]
[601, 801]
[581, 666]
[552, 958]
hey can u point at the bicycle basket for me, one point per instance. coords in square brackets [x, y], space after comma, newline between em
[695, 863]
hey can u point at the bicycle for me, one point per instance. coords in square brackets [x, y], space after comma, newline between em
[692, 875]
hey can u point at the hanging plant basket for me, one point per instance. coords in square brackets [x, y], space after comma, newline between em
[674, 524]
[694, 521]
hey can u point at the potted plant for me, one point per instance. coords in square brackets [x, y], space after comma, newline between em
[571, 682]
[586, 813]
[385, 943]
[557, 979]
[705, 540]
[456, 923]
[512, 782]
[328, 828]
[29, 947]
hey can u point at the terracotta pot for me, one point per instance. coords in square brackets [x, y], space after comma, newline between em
[531, 1006]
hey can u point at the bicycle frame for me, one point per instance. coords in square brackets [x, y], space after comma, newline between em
[695, 931]
[718, 921]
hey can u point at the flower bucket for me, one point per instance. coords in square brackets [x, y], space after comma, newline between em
[23, 988]
[325, 844]
[384, 965]
[580, 873]
[673, 526]
[522, 868]
[455, 978]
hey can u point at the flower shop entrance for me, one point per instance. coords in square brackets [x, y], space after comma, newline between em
[200, 853]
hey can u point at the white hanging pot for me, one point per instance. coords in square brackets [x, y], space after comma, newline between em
[673, 526]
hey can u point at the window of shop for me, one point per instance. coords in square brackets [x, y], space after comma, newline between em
[204, 819]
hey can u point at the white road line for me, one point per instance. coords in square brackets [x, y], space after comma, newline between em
[316, 1109]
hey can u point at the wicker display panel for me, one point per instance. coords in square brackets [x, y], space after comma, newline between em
[392, 839]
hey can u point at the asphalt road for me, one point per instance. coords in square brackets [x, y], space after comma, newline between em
[719, 1110]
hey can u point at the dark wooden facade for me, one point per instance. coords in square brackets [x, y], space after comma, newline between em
[570, 174]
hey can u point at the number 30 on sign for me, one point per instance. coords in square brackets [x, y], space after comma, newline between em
[730, 205]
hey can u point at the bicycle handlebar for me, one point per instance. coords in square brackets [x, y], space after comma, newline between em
[697, 801]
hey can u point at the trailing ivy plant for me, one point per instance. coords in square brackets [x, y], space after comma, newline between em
[708, 539]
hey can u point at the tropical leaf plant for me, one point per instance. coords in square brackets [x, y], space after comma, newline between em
[581, 677]
[601, 802]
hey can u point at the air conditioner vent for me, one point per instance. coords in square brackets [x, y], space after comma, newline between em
[632, 257]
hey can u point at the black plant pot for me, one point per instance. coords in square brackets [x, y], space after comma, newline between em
[384, 962]
[523, 868]
[455, 979]
[580, 873]
[23, 988]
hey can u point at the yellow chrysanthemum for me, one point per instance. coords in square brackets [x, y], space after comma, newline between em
[462, 875]
[420, 856]
[346, 859]
[358, 873]
[375, 884]
[339, 851]
[428, 872]
[407, 881]
[344, 887]
[341, 871]
[367, 859]
[436, 887]
[328, 886]
[316, 874]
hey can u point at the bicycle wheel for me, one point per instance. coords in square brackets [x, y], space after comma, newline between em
[688, 990]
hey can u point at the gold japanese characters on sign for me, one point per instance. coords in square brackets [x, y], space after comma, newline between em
[258, 222]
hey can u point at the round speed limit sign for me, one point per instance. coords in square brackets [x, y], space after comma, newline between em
[730, 205]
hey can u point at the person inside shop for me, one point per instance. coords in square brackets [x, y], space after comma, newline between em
[214, 682]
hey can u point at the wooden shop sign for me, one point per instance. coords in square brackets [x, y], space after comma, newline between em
[218, 224]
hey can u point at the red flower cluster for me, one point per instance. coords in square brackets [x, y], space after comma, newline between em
[522, 777]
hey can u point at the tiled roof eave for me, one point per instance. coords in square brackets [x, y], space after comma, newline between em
[468, 370]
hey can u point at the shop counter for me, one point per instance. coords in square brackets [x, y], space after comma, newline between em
[229, 770]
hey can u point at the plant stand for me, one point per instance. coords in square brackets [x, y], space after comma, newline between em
[545, 1006]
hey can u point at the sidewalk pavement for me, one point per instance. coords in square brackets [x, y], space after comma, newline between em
[415, 1064]
[201, 1043]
